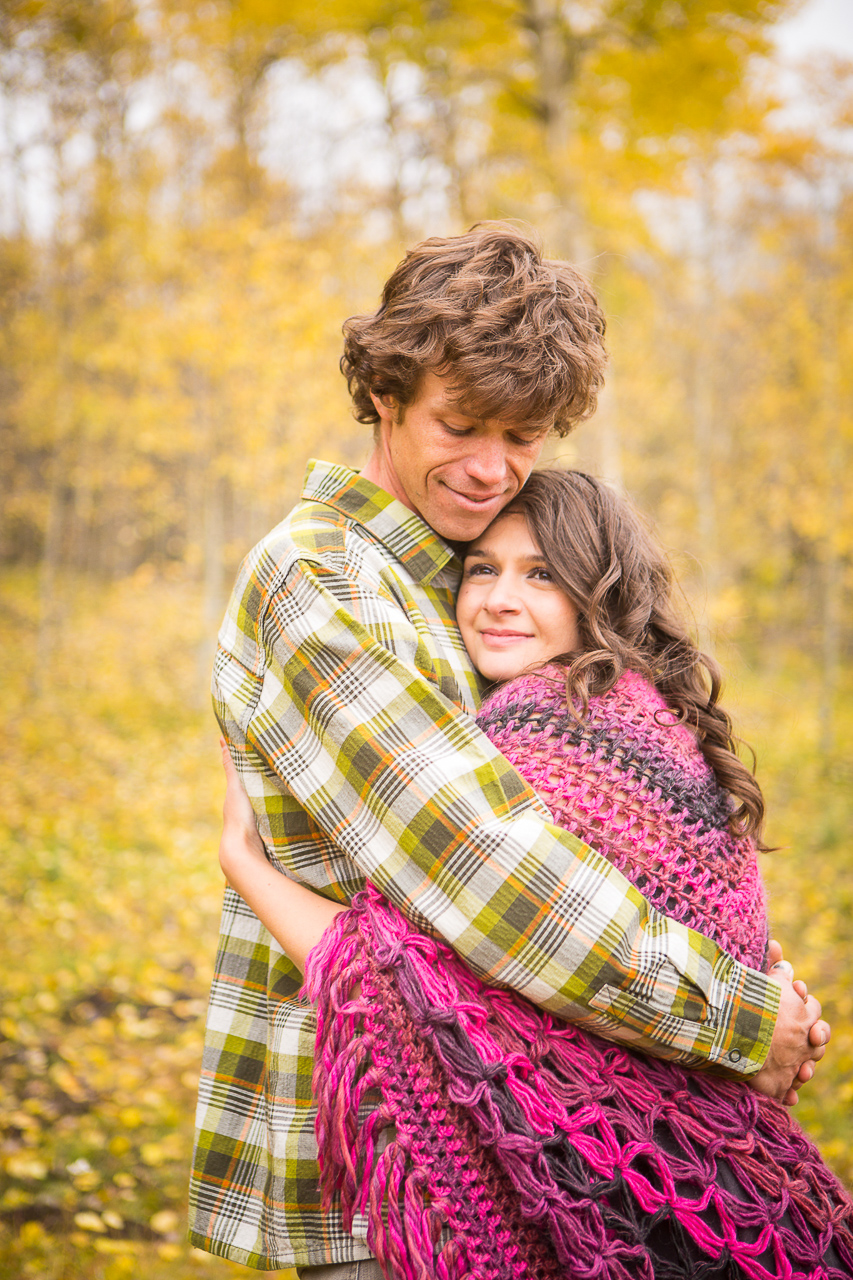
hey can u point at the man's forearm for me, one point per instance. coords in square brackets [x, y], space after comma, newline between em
[416, 796]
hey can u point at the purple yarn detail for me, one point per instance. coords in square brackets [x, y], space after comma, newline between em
[542, 1150]
[633, 783]
[483, 1139]
[416, 1165]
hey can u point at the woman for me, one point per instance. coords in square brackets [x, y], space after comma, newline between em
[504, 1144]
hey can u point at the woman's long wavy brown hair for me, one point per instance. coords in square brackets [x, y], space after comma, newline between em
[603, 556]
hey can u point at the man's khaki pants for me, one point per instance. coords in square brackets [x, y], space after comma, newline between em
[367, 1269]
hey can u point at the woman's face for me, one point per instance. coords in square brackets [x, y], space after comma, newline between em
[511, 613]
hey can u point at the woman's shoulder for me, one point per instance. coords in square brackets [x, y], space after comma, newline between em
[521, 697]
[632, 708]
[638, 703]
[635, 696]
[632, 694]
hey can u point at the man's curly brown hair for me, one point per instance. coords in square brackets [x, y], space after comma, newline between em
[518, 336]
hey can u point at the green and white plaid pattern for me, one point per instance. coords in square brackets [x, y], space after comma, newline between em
[347, 697]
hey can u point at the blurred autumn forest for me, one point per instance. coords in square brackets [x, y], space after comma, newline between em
[194, 196]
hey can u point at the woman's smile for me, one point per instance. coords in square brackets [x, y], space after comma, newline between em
[492, 636]
[511, 612]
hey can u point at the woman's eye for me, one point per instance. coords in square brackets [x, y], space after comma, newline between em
[477, 570]
[542, 575]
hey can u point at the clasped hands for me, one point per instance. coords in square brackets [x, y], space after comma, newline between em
[799, 1038]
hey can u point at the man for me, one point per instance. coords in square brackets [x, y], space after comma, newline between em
[347, 699]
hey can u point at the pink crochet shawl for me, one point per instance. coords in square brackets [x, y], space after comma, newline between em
[485, 1140]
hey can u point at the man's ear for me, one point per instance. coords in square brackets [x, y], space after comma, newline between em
[385, 406]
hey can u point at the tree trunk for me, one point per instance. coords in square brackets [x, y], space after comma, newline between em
[48, 610]
[212, 578]
[832, 585]
[702, 399]
[556, 53]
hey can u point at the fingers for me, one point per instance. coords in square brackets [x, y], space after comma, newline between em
[820, 1030]
[237, 807]
[818, 1033]
[231, 774]
[799, 1041]
[812, 1006]
[774, 953]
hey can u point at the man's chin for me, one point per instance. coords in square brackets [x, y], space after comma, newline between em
[459, 524]
[459, 530]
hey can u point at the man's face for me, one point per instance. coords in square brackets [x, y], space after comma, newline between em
[456, 471]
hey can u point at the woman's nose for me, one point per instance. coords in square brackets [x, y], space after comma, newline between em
[502, 598]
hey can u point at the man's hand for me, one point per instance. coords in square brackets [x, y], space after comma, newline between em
[799, 1039]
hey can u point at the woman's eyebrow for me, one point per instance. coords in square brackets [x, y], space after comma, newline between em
[485, 554]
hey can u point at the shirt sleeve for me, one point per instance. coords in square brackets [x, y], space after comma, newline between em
[406, 784]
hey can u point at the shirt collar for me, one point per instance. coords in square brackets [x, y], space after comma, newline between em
[409, 539]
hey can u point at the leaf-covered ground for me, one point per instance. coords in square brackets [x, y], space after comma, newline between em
[109, 792]
[109, 799]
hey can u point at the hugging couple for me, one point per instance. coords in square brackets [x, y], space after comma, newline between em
[494, 995]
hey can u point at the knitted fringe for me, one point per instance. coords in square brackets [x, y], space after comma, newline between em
[485, 1141]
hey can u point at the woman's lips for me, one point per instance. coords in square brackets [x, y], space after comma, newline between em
[504, 637]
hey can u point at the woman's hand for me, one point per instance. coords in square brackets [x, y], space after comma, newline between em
[240, 839]
[818, 1033]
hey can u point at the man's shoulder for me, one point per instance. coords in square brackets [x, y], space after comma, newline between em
[312, 531]
[318, 539]
[313, 540]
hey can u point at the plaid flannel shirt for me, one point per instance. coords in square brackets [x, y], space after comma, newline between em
[343, 687]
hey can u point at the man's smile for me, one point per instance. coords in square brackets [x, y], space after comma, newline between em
[476, 499]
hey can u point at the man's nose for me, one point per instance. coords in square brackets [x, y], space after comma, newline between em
[487, 463]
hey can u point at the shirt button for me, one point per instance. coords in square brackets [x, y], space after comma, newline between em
[735, 1055]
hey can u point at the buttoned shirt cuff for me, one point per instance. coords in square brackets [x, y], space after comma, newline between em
[747, 1005]
[725, 1029]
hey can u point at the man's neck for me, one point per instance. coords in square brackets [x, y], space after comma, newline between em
[378, 471]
